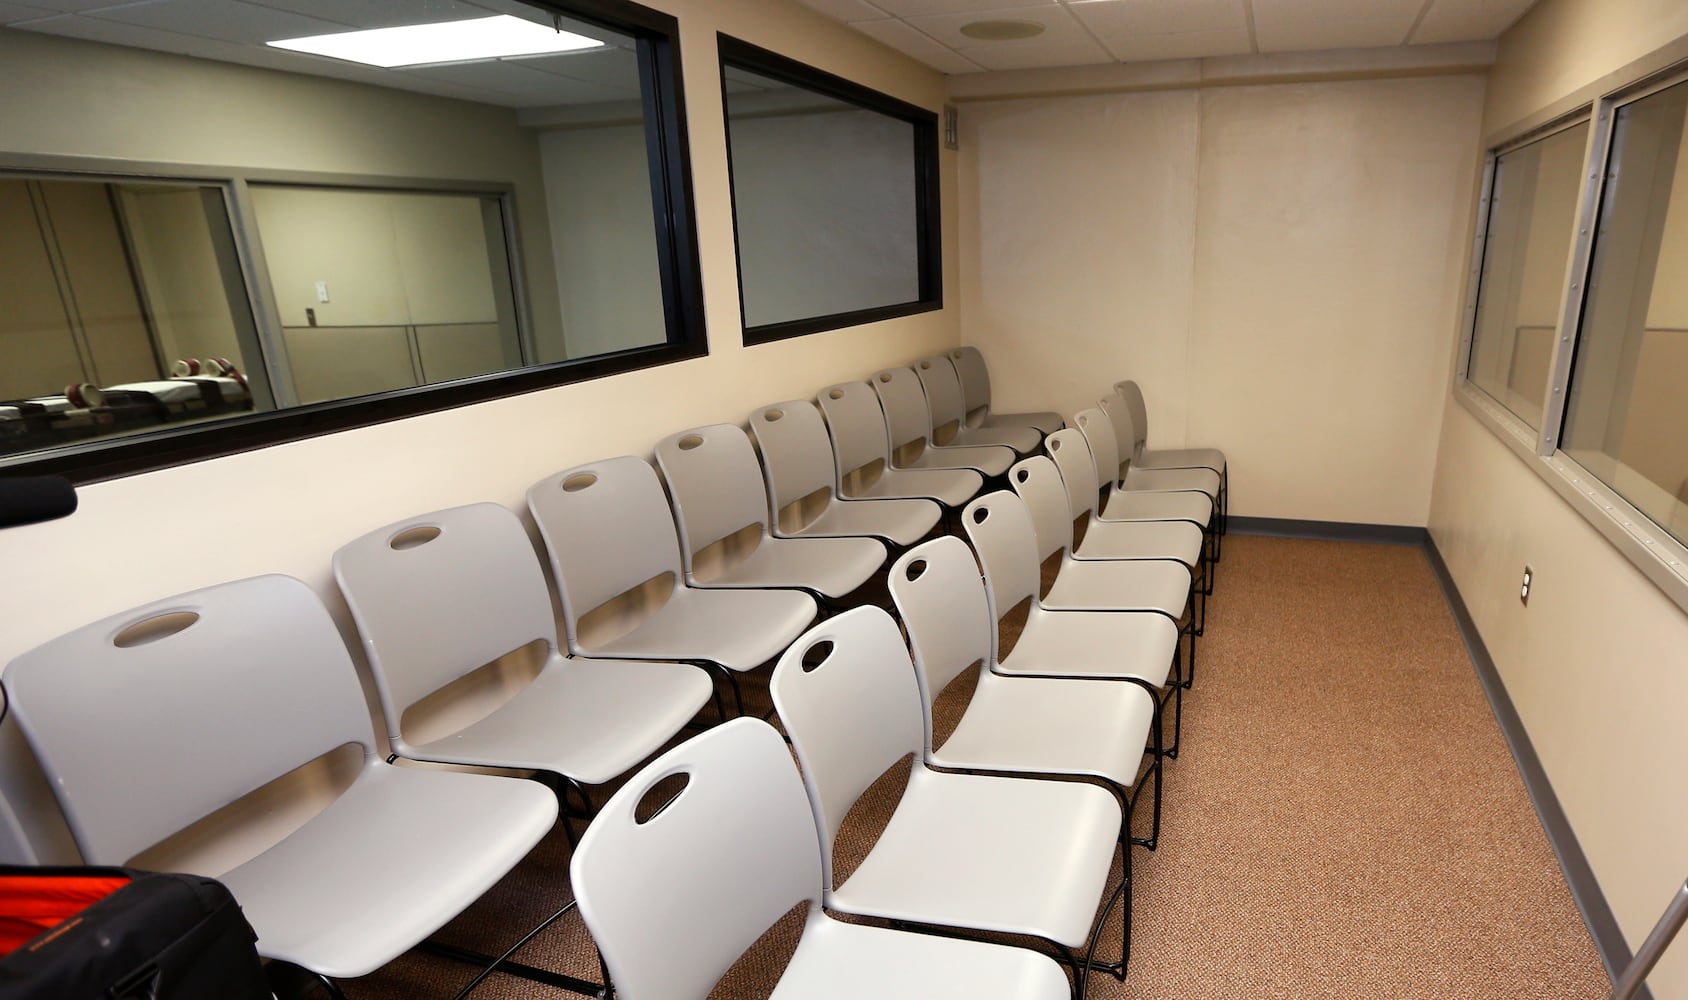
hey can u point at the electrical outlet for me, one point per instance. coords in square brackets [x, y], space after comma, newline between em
[1524, 588]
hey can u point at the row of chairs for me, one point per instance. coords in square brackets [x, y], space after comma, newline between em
[649, 594]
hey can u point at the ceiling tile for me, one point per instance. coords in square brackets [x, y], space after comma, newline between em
[1183, 45]
[1111, 19]
[112, 33]
[1468, 20]
[1285, 12]
[1332, 35]
[845, 10]
[614, 68]
[10, 12]
[70, 6]
[974, 8]
[1037, 53]
[224, 20]
[1058, 26]
[522, 87]
[380, 13]
[911, 42]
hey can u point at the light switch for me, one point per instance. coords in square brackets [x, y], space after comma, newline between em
[322, 291]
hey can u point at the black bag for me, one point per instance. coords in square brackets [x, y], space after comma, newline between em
[145, 936]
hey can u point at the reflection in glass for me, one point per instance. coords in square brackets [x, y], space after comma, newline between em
[118, 316]
[824, 201]
[1532, 212]
[416, 225]
[1628, 412]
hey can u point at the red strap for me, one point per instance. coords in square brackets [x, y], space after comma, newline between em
[30, 904]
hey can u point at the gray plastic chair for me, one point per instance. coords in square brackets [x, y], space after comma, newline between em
[151, 720]
[438, 596]
[611, 540]
[1112, 645]
[803, 489]
[910, 425]
[861, 447]
[976, 394]
[976, 852]
[949, 412]
[1144, 457]
[673, 899]
[718, 493]
[1015, 725]
[1133, 477]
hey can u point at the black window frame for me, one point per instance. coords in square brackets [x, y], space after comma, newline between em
[662, 99]
[740, 54]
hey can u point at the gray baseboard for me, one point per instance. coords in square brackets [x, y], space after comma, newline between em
[1334, 531]
[1596, 912]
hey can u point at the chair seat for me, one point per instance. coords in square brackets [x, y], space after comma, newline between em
[386, 864]
[1072, 644]
[941, 859]
[739, 629]
[1161, 480]
[840, 961]
[1045, 725]
[950, 487]
[1161, 585]
[1140, 506]
[1044, 421]
[1178, 540]
[1024, 439]
[595, 719]
[991, 460]
[1181, 458]
[830, 566]
[902, 522]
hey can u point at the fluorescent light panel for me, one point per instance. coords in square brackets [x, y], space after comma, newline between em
[443, 42]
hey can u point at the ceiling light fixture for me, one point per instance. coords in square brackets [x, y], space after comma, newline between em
[442, 42]
[1001, 31]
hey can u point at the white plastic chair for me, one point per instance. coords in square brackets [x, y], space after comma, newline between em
[976, 393]
[717, 491]
[949, 412]
[673, 900]
[151, 720]
[438, 596]
[1144, 457]
[861, 447]
[910, 425]
[976, 852]
[1133, 507]
[1015, 725]
[803, 488]
[1134, 477]
[1112, 645]
[613, 548]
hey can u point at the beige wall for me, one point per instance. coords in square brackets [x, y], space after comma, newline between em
[1595, 662]
[285, 509]
[1275, 264]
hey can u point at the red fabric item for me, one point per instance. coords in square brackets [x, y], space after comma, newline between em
[31, 904]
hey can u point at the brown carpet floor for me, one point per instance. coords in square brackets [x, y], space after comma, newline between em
[1344, 820]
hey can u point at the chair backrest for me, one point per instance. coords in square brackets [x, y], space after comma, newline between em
[906, 416]
[1039, 485]
[1125, 435]
[1071, 452]
[607, 528]
[715, 482]
[796, 451]
[857, 425]
[150, 720]
[1002, 534]
[1139, 413]
[851, 715]
[674, 900]
[1099, 436]
[440, 595]
[943, 390]
[941, 597]
[975, 377]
